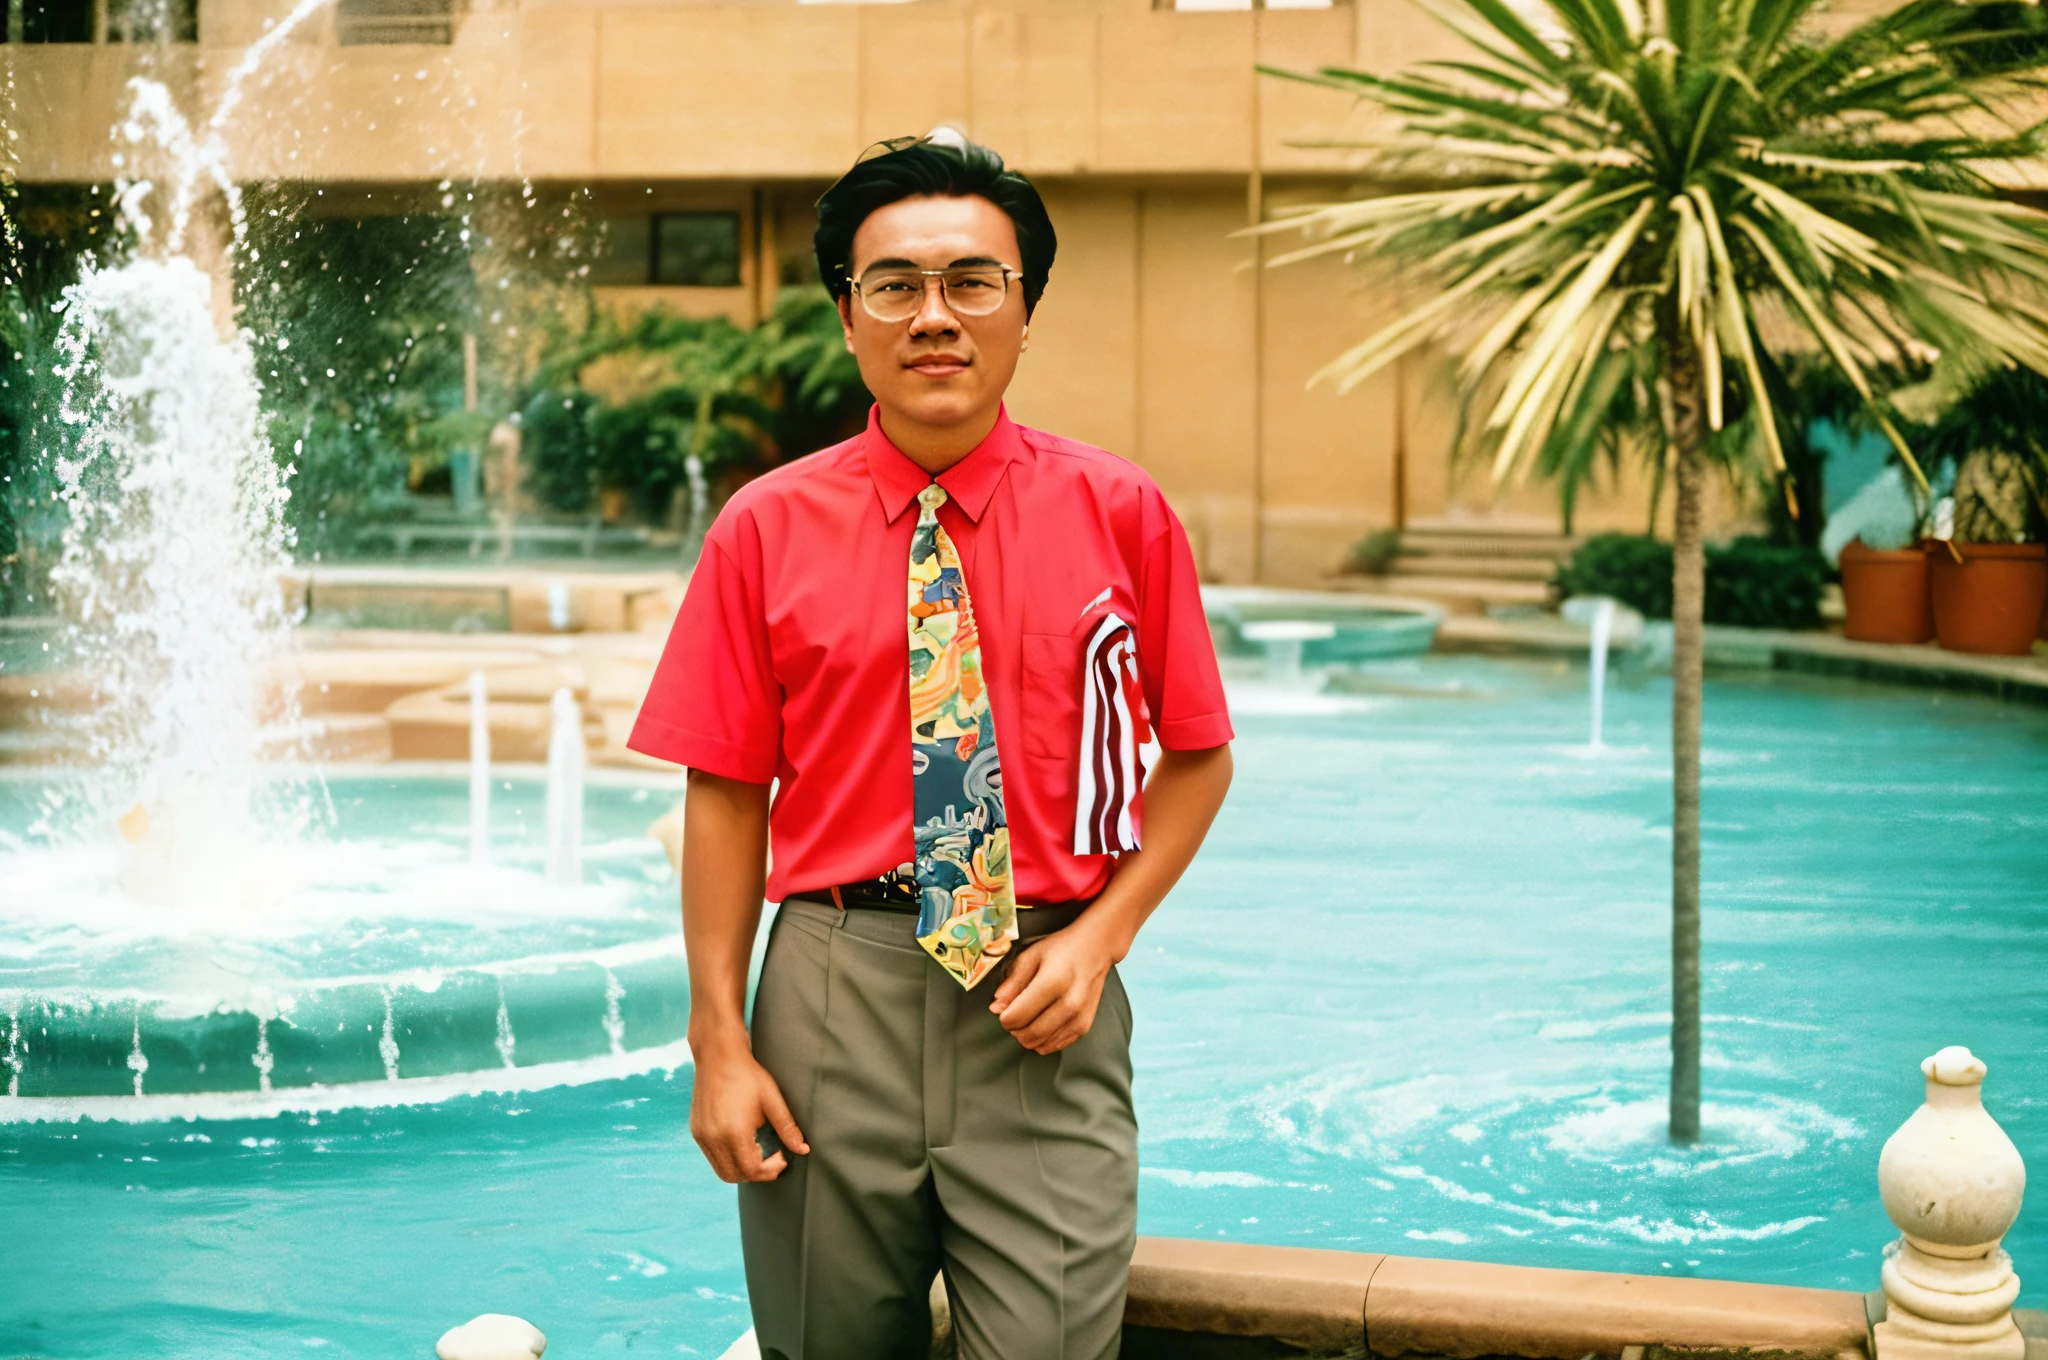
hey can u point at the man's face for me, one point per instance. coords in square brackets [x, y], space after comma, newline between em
[937, 369]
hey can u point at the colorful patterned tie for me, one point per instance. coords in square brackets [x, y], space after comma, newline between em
[968, 914]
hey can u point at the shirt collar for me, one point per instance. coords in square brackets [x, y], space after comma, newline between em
[970, 483]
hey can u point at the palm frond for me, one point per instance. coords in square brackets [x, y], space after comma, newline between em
[1610, 185]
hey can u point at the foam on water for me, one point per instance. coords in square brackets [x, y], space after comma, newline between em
[390, 1093]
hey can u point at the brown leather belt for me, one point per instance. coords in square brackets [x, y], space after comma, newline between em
[871, 894]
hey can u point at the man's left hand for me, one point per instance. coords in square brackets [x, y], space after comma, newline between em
[1054, 986]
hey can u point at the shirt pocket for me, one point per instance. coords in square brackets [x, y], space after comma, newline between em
[1052, 699]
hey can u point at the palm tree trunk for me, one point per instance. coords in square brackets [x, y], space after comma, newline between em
[1687, 432]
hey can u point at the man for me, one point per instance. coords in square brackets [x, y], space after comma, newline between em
[931, 1082]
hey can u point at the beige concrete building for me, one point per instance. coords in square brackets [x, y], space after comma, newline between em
[703, 130]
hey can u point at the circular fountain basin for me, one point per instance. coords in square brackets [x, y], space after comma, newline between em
[1332, 630]
[372, 953]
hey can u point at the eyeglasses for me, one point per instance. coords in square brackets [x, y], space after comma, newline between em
[893, 293]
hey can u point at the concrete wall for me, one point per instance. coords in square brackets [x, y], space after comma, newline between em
[599, 89]
[1161, 338]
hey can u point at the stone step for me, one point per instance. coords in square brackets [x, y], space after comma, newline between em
[1476, 568]
[1502, 527]
[1458, 595]
[1478, 545]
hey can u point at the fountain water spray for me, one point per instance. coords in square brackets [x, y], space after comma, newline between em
[176, 533]
[479, 770]
[1602, 633]
[1283, 640]
[566, 759]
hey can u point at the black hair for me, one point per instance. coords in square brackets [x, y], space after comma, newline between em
[909, 167]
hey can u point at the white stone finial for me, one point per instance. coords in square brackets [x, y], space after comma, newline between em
[1952, 1182]
[1954, 1066]
[492, 1336]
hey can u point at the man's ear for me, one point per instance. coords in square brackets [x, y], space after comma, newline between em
[845, 303]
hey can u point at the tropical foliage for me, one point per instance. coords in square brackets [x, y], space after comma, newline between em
[1624, 189]
[1994, 437]
[636, 405]
[45, 233]
[360, 355]
[1615, 212]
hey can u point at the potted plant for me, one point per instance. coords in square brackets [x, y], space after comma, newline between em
[1989, 577]
[1886, 595]
[1876, 538]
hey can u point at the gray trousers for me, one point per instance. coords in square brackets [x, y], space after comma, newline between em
[938, 1143]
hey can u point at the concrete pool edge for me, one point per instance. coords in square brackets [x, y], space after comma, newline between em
[2016, 679]
[1334, 1301]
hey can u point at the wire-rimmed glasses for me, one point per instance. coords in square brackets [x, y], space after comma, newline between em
[896, 292]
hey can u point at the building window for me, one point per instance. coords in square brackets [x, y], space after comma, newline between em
[143, 21]
[49, 21]
[113, 21]
[696, 250]
[622, 257]
[360, 23]
[670, 250]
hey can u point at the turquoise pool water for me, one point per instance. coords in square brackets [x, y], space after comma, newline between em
[1412, 998]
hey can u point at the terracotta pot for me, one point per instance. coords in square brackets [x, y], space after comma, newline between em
[1886, 595]
[1992, 600]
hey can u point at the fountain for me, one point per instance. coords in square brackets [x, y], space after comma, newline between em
[1283, 639]
[566, 758]
[479, 770]
[175, 531]
[1319, 629]
[1602, 632]
[193, 927]
[1607, 623]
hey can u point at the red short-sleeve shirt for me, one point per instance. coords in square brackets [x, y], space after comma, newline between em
[789, 660]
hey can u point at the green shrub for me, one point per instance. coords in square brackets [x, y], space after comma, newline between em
[1375, 553]
[1631, 568]
[1754, 583]
[46, 231]
[1751, 582]
[560, 464]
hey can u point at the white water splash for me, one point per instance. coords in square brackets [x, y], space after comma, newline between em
[614, 1022]
[14, 1058]
[411, 1091]
[170, 567]
[387, 1044]
[507, 1045]
[263, 1059]
[479, 770]
[566, 761]
[137, 1063]
[176, 531]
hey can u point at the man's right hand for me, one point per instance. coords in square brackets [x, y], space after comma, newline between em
[732, 1097]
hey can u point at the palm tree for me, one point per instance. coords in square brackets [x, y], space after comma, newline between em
[1615, 217]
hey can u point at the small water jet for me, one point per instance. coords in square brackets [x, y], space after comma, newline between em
[1599, 615]
[479, 770]
[1602, 633]
[1282, 640]
[566, 760]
